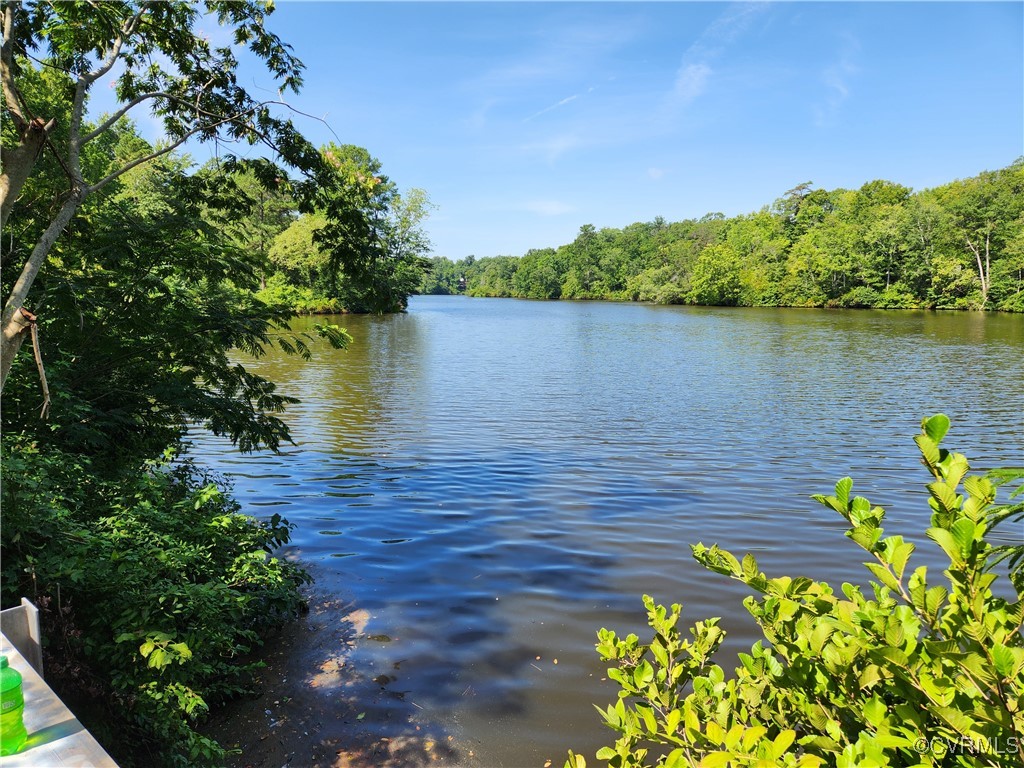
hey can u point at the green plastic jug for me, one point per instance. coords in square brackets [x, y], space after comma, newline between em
[12, 705]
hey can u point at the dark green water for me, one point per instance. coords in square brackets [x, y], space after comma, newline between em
[491, 481]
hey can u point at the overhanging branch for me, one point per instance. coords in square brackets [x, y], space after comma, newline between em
[169, 148]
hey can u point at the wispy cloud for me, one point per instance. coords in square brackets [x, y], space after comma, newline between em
[836, 79]
[726, 29]
[477, 121]
[555, 58]
[655, 173]
[695, 70]
[547, 207]
[556, 105]
[691, 81]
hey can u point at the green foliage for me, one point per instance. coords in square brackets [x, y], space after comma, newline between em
[148, 281]
[358, 245]
[959, 246]
[306, 301]
[156, 585]
[371, 235]
[444, 277]
[914, 673]
[1012, 513]
[144, 302]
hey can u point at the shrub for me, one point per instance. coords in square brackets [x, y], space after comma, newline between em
[304, 300]
[155, 590]
[916, 673]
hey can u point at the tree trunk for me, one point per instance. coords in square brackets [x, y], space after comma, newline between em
[18, 164]
[14, 322]
[15, 328]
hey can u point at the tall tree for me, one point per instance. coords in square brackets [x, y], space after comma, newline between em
[372, 234]
[166, 67]
[149, 300]
[983, 210]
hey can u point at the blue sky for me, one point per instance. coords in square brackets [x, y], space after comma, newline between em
[524, 121]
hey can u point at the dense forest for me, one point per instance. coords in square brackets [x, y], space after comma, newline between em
[133, 277]
[958, 246]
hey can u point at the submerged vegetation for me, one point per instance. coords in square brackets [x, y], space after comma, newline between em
[914, 673]
[958, 246]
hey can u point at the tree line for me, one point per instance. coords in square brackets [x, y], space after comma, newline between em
[957, 246]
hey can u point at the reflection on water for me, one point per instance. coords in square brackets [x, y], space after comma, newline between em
[491, 481]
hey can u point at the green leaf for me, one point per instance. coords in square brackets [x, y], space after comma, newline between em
[960, 722]
[979, 668]
[955, 470]
[869, 676]
[752, 735]
[1003, 659]
[949, 545]
[714, 732]
[929, 451]
[732, 738]
[672, 720]
[730, 561]
[883, 575]
[894, 634]
[750, 570]
[900, 556]
[874, 711]
[819, 636]
[894, 655]
[944, 494]
[690, 719]
[659, 653]
[716, 760]
[649, 719]
[934, 599]
[843, 488]
[936, 427]
[783, 742]
[963, 533]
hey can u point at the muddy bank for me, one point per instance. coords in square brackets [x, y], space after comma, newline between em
[315, 707]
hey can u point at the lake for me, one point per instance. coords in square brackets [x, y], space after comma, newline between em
[484, 483]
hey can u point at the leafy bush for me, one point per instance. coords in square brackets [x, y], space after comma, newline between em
[155, 590]
[914, 674]
[305, 301]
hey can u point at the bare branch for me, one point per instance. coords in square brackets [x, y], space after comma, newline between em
[139, 161]
[10, 91]
[121, 113]
[42, 370]
[85, 83]
[170, 147]
[127, 30]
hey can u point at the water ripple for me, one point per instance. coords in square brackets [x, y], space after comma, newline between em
[510, 476]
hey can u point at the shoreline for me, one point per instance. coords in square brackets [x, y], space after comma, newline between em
[314, 706]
